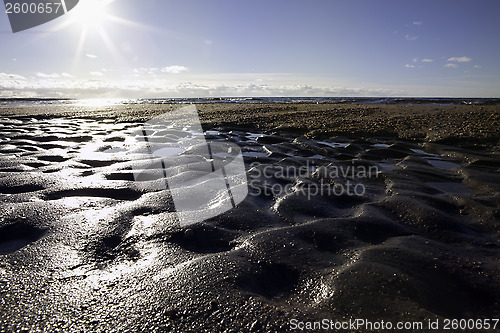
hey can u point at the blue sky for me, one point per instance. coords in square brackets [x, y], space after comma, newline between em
[214, 48]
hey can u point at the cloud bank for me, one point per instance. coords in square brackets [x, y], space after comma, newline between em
[59, 86]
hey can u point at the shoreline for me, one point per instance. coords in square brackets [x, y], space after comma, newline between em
[449, 124]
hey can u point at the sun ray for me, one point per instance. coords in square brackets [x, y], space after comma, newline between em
[129, 23]
[110, 45]
[92, 20]
[79, 48]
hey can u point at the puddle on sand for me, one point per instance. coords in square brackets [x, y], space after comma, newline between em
[13, 245]
[254, 154]
[253, 136]
[334, 144]
[444, 165]
[421, 152]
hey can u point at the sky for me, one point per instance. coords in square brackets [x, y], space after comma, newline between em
[229, 48]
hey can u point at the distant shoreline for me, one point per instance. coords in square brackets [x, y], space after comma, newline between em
[223, 100]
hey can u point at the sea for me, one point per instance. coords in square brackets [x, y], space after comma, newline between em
[339, 100]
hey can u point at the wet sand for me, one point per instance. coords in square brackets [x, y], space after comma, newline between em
[433, 123]
[82, 248]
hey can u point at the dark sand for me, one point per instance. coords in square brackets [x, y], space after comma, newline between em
[83, 249]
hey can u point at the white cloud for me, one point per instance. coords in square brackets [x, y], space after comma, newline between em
[410, 37]
[227, 85]
[460, 59]
[93, 56]
[143, 70]
[97, 73]
[6, 76]
[174, 69]
[157, 88]
[477, 66]
[427, 60]
[267, 90]
[221, 85]
[53, 75]
[409, 66]
[451, 65]
[48, 76]
[417, 23]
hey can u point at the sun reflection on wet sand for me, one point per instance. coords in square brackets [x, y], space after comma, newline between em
[97, 102]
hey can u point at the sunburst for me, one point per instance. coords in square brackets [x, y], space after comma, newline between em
[92, 19]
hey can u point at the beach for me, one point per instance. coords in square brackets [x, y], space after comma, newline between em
[354, 211]
[473, 124]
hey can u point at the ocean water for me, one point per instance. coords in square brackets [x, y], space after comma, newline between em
[340, 100]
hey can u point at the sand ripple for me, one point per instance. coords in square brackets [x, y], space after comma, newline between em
[83, 247]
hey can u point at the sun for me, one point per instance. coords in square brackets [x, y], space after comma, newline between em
[92, 18]
[92, 22]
